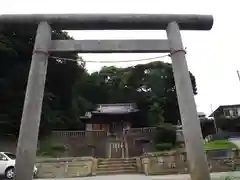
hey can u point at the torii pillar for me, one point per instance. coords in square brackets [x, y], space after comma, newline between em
[28, 137]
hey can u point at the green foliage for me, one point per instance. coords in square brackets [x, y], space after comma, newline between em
[155, 115]
[164, 146]
[59, 105]
[70, 90]
[228, 124]
[219, 144]
[47, 148]
[165, 134]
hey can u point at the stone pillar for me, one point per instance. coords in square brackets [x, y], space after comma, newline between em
[191, 125]
[146, 164]
[28, 135]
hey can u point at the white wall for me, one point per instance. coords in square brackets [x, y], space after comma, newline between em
[88, 127]
[231, 111]
[238, 111]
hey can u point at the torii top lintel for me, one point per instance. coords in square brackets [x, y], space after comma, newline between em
[110, 21]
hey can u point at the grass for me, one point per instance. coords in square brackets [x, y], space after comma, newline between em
[219, 144]
[47, 148]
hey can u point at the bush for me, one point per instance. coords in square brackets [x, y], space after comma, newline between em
[164, 146]
[228, 124]
[165, 134]
[59, 148]
[47, 148]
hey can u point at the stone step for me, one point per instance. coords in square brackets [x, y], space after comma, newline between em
[118, 165]
[115, 168]
[119, 171]
[116, 161]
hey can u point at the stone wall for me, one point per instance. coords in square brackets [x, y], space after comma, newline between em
[95, 143]
[81, 143]
[176, 163]
[140, 140]
[66, 167]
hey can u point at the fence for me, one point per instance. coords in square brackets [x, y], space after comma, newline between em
[86, 133]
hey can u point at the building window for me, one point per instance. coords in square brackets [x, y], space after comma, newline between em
[235, 113]
[226, 112]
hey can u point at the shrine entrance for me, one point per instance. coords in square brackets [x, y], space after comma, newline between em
[45, 23]
[116, 149]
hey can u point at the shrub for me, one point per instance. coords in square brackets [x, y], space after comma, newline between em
[164, 146]
[46, 148]
[228, 124]
[165, 134]
[59, 148]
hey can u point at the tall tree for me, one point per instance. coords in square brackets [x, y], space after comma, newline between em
[149, 85]
[15, 56]
[70, 91]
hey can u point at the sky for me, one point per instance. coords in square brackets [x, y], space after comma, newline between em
[212, 56]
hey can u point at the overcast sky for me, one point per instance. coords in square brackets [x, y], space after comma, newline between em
[212, 56]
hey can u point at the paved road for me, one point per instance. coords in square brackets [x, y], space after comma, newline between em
[215, 176]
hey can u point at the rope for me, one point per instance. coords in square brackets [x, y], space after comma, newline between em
[121, 61]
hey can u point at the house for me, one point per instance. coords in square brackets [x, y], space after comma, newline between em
[227, 111]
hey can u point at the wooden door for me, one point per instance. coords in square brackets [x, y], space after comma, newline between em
[115, 149]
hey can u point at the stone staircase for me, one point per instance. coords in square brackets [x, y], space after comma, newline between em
[116, 166]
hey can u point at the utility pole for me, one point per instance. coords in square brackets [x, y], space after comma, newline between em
[214, 121]
[238, 75]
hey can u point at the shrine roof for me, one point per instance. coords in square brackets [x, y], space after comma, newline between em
[115, 112]
[112, 109]
[119, 108]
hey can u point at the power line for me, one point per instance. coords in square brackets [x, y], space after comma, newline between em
[121, 61]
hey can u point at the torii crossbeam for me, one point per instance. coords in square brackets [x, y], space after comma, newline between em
[28, 136]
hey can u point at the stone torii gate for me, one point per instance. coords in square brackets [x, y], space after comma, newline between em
[28, 137]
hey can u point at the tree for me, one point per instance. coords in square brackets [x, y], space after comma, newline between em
[70, 90]
[59, 106]
[150, 85]
[155, 115]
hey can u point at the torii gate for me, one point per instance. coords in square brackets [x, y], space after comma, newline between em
[28, 137]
